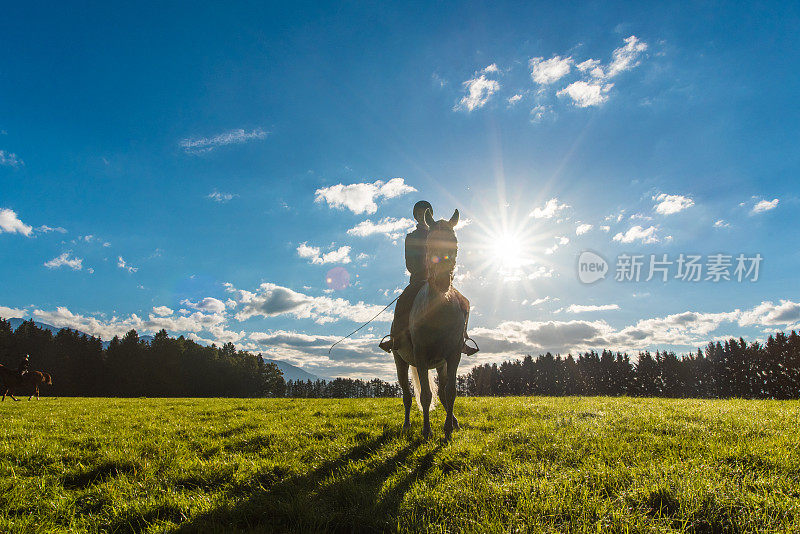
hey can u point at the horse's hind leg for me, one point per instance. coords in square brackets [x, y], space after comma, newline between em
[443, 392]
[402, 378]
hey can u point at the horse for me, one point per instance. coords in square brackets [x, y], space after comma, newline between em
[12, 379]
[437, 328]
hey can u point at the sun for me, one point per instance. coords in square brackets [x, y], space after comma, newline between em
[507, 251]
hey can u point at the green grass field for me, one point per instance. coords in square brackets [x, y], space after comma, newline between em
[517, 465]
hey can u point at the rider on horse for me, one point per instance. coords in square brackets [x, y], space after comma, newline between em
[415, 264]
[24, 365]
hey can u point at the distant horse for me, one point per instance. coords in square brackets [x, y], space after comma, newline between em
[11, 379]
[437, 327]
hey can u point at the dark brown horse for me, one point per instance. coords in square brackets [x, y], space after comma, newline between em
[11, 380]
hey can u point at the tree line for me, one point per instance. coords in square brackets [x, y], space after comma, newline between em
[179, 367]
[132, 367]
[731, 369]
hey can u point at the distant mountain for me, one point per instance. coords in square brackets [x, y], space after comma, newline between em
[292, 372]
[55, 330]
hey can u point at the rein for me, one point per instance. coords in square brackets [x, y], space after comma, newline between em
[365, 324]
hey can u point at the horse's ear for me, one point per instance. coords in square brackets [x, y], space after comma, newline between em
[454, 219]
[429, 218]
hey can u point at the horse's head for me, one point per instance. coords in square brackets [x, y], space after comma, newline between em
[441, 248]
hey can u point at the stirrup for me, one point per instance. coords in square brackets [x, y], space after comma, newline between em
[386, 345]
[469, 351]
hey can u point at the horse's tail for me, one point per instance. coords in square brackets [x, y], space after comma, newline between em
[431, 381]
[48, 379]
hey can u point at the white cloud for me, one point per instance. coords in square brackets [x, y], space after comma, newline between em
[765, 205]
[162, 311]
[669, 204]
[207, 144]
[208, 304]
[637, 233]
[9, 159]
[362, 197]
[62, 317]
[12, 313]
[122, 264]
[538, 301]
[216, 196]
[538, 113]
[585, 94]
[588, 65]
[514, 99]
[10, 223]
[545, 72]
[479, 91]
[583, 228]
[583, 308]
[271, 300]
[389, 226]
[721, 224]
[44, 229]
[491, 68]
[605, 228]
[549, 210]
[64, 260]
[353, 357]
[340, 255]
[769, 314]
[626, 57]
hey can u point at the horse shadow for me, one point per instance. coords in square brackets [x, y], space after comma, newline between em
[328, 498]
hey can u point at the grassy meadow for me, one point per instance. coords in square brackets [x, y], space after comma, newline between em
[295, 465]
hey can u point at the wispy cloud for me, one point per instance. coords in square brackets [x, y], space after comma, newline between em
[9, 159]
[669, 204]
[207, 304]
[122, 264]
[547, 71]
[586, 94]
[11, 224]
[362, 197]
[583, 308]
[637, 233]
[479, 91]
[765, 205]
[339, 255]
[64, 260]
[389, 226]
[233, 137]
[44, 229]
[163, 311]
[583, 228]
[217, 196]
[549, 210]
[271, 300]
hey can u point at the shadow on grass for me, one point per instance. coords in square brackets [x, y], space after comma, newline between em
[99, 473]
[334, 497]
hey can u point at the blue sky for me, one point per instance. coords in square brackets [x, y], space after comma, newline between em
[203, 169]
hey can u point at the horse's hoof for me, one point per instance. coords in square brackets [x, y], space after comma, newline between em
[456, 426]
[426, 433]
[406, 426]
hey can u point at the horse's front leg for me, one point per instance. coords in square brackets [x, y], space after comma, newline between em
[444, 391]
[450, 421]
[425, 398]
